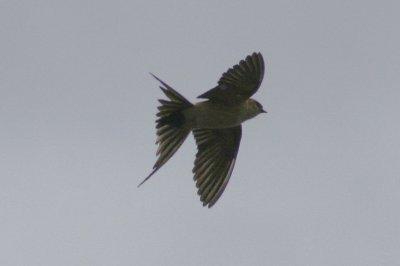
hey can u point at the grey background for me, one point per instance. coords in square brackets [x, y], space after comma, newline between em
[317, 181]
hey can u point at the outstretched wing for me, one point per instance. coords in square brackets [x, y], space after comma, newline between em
[240, 82]
[215, 159]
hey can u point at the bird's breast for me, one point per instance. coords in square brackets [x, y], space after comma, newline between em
[212, 115]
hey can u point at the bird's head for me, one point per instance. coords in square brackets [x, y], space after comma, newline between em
[255, 107]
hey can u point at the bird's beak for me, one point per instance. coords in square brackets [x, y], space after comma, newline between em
[263, 111]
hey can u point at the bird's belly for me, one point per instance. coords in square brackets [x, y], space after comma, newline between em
[215, 122]
[216, 118]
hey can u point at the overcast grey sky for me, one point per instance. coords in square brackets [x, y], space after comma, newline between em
[317, 181]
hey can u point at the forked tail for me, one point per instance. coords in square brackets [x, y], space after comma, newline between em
[170, 125]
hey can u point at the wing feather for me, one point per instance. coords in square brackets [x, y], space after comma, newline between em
[215, 159]
[240, 82]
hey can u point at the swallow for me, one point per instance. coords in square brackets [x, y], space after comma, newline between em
[215, 123]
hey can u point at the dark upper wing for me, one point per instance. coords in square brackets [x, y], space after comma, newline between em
[215, 159]
[240, 82]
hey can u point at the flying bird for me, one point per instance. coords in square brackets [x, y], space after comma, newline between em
[215, 123]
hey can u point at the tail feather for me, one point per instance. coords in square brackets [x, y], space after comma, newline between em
[171, 128]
